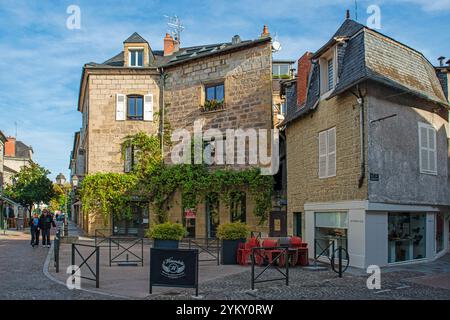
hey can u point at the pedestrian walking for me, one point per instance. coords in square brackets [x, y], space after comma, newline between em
[34, 224]
[45, 224]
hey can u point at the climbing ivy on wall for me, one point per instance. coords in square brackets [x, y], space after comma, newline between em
[157, 183]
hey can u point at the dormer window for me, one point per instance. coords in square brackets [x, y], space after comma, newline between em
[328, 67]
[330, 74]
[136, 57]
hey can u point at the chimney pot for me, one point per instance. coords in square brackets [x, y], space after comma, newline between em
[265, 32]
[170, 45]
[347, 14]
[441, 61]
[236, 39]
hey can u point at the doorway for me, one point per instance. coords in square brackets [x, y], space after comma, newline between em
[212, 214]
[278, 224]
[134, 225]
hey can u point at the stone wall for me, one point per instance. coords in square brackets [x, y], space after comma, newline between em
[105, 133]
[303, 183]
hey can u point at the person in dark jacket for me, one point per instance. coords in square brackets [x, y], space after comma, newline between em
[34, 225]
[45, 224]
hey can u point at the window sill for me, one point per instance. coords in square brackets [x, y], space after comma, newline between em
[327, 177]
[429, 173]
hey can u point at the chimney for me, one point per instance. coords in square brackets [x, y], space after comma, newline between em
[236, 39]
[10, 147]
[265, 32]
[304, 68]
[347, 14]
[170, 45]
[441, 61]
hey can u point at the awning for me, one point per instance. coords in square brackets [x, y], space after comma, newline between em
[9, 201]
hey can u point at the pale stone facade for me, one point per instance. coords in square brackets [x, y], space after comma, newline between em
[247, 78]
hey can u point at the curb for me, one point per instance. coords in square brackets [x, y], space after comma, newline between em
[49, 276]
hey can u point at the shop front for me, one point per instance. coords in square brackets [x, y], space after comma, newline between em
[376, 233]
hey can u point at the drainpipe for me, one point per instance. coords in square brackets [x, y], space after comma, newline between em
[163, 85]
[362, 175]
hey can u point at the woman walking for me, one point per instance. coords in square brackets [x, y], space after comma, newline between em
[34, 224]
[45, 224]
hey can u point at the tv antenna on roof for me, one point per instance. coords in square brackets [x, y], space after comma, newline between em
[175, 27]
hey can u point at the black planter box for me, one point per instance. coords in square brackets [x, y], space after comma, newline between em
[229, 251]
[165, 244]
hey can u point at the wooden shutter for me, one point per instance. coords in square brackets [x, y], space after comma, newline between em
[432, 149]
[322, 154]
[331, 152]
[148, 107]
[120, 107]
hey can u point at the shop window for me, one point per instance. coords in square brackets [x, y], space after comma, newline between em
[330, 232]
[406, 236]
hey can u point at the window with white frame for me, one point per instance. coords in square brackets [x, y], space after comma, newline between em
[427, 149]
[136, 58]
[327, 153]
[328, 69]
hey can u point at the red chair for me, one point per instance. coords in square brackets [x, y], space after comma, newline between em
[245, 251]
[296, 242]
[269, 253]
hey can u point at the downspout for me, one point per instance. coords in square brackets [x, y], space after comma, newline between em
[161, 106]
[362, 175]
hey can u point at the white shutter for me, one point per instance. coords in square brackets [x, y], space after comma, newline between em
[120, 107]
[427, 149]
[331, 161]
[432, 161]
[322, 154]
[148, 107]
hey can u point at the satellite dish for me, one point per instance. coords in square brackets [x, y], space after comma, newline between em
[276, 46]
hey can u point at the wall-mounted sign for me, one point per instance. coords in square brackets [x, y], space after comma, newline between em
[374, 177]
[277, 224]
[174, 268]
[189, 214]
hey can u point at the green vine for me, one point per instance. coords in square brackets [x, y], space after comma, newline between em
[157, 183]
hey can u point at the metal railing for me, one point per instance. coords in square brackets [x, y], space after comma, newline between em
[85, 262]
[56, 245]
[125, 249]
[102, 236]
[258, 253]
[331, 256]
[209, 246]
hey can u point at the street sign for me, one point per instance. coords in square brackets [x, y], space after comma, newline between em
[174, 268]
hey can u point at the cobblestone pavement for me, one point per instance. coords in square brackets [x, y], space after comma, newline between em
[323, 285]
[21, 275]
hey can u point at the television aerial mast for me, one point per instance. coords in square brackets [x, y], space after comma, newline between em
[175, 27]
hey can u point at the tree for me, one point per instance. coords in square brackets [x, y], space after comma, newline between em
[31, 185]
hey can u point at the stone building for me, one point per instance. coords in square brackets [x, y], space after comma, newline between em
[227, 85]
[2, 159]
[17, 156]
[367, 150]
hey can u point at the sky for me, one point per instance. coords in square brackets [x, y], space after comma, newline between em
[41, 59]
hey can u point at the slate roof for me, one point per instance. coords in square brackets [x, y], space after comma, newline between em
[182, 55]
[2, 136]
[366, 54]
[22, 150]
[135, 38]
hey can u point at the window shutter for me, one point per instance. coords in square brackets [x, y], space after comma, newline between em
[148, 107]
[120, 107]
[128, 159]
[423, 144]
[331, 163]
[322, 154]
[432, 149]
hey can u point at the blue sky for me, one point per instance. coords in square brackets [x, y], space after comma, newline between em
[41, 60]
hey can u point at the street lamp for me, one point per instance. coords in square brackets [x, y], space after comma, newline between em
[75, 181]
[61, 180]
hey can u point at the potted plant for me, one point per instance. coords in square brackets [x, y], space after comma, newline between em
[231, 235]
[166, 235]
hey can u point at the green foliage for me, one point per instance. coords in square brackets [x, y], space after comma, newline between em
[108, 194]
[212, 105]
[31, 186]
[157, 183]
[232, 231]
[60, 198]
[167, 231]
